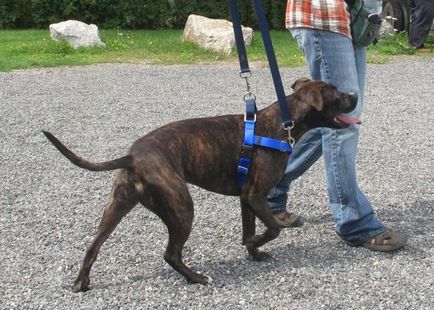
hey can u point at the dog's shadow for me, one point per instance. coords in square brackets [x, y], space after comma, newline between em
[239, 268]
[288, 256]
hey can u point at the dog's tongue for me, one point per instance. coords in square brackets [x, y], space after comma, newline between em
[348, 120]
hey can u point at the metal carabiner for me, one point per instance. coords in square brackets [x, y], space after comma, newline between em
[249, 94]
[287, 128]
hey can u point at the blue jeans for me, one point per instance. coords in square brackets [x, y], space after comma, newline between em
[332, 58]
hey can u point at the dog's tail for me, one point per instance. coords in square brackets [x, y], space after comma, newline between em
[123, 162]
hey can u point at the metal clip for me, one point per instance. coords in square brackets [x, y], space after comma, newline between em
[288, 128]
[245, 74]
[249, 94]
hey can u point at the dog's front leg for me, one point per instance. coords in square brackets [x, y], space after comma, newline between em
[258, 204]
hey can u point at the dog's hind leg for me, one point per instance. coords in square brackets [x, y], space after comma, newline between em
[172, 202]
[122, 200]
[179, 232]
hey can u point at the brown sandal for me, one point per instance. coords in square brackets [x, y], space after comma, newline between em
[287, 219]
[385, 242]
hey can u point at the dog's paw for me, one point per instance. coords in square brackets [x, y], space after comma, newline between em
[198, 278]
[259, 256]
[210, 280]
[80, 285]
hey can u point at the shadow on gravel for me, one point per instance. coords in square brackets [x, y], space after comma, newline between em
[415, 218]
[293, 256]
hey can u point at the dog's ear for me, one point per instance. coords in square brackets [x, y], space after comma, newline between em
[299, 83]
[314, 99]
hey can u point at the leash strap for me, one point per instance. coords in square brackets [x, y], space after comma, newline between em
[249, 138]
[285, 115]
[239, 39]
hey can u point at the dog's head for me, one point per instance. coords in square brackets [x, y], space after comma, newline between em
[321, 105]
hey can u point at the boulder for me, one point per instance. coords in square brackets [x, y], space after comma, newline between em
[386, 30]
[213, 34]
[76, 34]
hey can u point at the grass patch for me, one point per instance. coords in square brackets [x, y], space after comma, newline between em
[395, 46]
[34, 48]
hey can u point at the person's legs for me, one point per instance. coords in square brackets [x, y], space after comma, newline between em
[422, 14]
[345, 67]
[332, 58]
[305, 153]
[411, 27]
[308, 149]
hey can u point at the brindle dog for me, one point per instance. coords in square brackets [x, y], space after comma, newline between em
[205, 152]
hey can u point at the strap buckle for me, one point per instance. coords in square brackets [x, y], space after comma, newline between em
[242, 170]
[246, 118]
[246, 151]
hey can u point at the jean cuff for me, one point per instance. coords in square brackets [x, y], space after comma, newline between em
[365, 236]
[277, 207]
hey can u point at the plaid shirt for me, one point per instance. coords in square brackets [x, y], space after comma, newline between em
[331, 15]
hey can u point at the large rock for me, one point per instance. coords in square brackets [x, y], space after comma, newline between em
[386, 30]
[213, 34]
[76, 34]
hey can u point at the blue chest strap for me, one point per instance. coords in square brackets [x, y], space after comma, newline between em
[250, 140]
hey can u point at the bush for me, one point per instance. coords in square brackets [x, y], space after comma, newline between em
[130, 14]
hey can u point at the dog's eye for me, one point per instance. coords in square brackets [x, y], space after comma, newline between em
[329, 92]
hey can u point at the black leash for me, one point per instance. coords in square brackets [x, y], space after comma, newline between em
[250, 139]
[285, 115]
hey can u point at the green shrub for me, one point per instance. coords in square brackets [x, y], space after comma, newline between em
[130, 14]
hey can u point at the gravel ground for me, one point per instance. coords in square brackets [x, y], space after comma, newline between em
[50, 208]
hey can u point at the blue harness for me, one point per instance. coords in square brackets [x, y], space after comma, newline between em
[250, 139]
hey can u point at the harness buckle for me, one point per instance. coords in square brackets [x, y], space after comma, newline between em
[249, 119]
[246, 151]
[242, 170]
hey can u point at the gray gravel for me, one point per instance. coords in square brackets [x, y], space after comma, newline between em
[50, 208]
